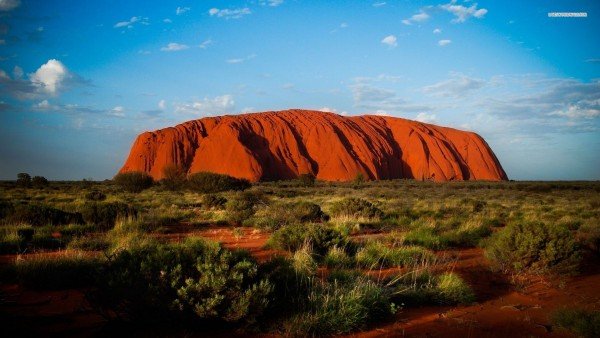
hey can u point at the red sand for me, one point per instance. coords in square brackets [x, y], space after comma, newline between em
[501, 311]
[285, 144]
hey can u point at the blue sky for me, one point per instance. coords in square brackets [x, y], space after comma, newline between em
[80, 79]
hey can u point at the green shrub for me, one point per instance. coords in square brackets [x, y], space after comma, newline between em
[534, 247]
[95, 196]
[6, 209]
[39, 182]
[355, 208]
[133, 181]
[320, 238]
[40, 214]
[242, 206]
[105, 214]
[377, 255]
[337, 308]
[212, 201]
[581, 322]
[196, 279]
[281, 214]
[207, 182]
[588, 235]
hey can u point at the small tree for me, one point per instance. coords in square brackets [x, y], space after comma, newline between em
[23, 180]
[173, 177]
[39, 181]
[133, 181]
[307, 180]
[359, 179]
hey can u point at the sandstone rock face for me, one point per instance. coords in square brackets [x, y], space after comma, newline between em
[285, 144]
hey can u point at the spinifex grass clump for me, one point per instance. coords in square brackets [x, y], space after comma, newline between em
[337, 308]
[534, 247]
[355, 208]
[69, 269]
[320, 237]
[376, 255]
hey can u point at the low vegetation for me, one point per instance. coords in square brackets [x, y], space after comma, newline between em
[346, 255]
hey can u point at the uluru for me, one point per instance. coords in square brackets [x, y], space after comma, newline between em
[285, 144]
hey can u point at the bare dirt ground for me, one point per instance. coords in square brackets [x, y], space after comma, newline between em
[502, 310]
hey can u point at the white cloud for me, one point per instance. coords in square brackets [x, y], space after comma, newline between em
[390, 40]
[333, 110]
[229, 13]
[9, 5]
[235, 60]
[426, 118]
[131, 22]
[44, 104]
[379, 4]
[463, 13]
[271, 3]
[205, 44]
[117, 111]
[458, 85]
[18, 72]
[444, 42]
[167, 20]
[343, 25]
[437, 31]
[174, 47]
[181, 10]
[576, 112]
[162, 104]
[49, 77]
[217, 105]
[367, 96]
[420, 17]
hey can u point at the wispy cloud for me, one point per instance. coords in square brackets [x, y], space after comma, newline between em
[457, 86]
[444, 42]
[419, 17]
[390, 40]
[229, 13]
[379, 4]
[181, 10]
[270, 3]
[205, 44]
[131, 22]
[9, 5]
[240, 60]
[207, 106]
[174, 47]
